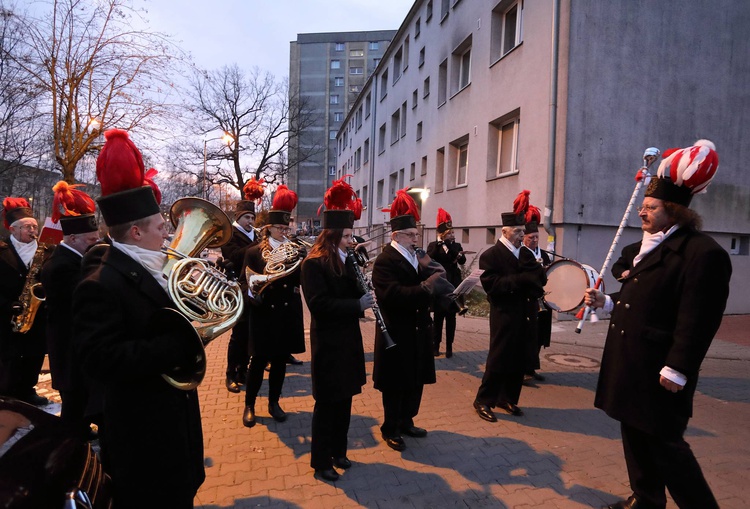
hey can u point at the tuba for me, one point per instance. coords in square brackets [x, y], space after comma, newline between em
[280, 262]
[201, 292]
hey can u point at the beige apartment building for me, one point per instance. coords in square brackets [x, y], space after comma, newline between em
[476, 100]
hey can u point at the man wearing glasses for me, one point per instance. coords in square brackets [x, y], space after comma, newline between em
[21, 355]
[403, 289]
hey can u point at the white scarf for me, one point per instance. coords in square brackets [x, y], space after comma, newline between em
[651, 241]
[342, 255]
[25, 251]
[513, 249]
[274, 243]
[152, 261]
[250, 234]
[411, 258]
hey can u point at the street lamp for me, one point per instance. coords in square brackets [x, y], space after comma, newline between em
[227, 139]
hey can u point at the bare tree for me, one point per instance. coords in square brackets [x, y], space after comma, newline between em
[256, 112]
[96, 70]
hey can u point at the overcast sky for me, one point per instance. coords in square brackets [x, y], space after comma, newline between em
[258, 32]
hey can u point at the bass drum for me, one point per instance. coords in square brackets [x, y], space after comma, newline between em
[567, 281]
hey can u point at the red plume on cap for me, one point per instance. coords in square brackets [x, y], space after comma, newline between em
[691, 167]
[254, 189]
[443, 217]
[148, 179]
[403, 204]
[521, 203]
[284, 199]
[120, 165]
[341, 196]
[10, 204]
[533, 214]
[69, 201]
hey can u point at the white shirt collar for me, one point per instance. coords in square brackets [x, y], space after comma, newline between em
[513, 249]
[411, 258]
[250, 234]
[73, 250]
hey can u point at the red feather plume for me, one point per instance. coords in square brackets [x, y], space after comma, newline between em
[119, 166]
[69, 201]
[254, 189]
[533, 214]
[339, 195]
[284, 199]
[404, 204]
[442, 216]
[521, 203]
[148, 179]
[11, 203]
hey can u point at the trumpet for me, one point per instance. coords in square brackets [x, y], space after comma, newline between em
[366, 286]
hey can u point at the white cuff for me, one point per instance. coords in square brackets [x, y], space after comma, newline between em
[673, 376]
[608, 304]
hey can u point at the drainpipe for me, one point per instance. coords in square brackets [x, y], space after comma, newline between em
[373, 141]
[549, 226]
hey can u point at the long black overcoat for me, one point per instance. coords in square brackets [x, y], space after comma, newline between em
[404, 304]
[512, 308]
[338, 357]
[450, 260]
[60, 275]
[234, 252]
[276, 324]
[153, 433]
[666, 314]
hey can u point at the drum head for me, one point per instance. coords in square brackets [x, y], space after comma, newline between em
[566, 284]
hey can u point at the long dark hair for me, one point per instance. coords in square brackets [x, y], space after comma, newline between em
[326, 247]
[684, 216]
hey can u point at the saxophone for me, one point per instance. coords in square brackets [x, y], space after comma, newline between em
[32, 294]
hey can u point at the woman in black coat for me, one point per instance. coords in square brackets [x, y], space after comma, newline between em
[336, 302]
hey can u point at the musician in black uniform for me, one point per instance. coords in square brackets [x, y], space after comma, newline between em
[404, 292]
[21, 354]
[543, 334]
[243, 238]
[276, 322]
[448, 253]
[513, 281]
[336, 302]
[125, 341]
[74, 210]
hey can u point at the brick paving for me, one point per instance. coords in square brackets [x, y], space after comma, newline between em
[563, 453]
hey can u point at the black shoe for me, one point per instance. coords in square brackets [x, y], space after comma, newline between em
[395, 442]
[342, 462]
[292, 360]
[528, 381]
[463, 311]
[248, 417]
[448, 352]
[539, 378]
[436, 353]
[630, 503]
[233, 386]
[484, 412]
[36, 400]
[414, 431]
[328, 474]
[511, 409]
[276, 412]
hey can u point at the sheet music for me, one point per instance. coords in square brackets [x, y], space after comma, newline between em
[468, 283]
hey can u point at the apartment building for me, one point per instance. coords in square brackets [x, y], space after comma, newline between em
[474, 101]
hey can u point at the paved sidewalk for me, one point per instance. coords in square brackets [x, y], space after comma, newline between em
[563, 453]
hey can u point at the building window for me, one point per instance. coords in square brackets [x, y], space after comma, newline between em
[338, 116]
[403, 119]
[332, 171]
[357, 159]
[489, 236]
[364, 196]
[428, 11]
[359, 117]
[503, 151]
[442, 82]
[334, 99]
[397, 63]
[332, 134]
[413, 171]
[462, 163]
[395, 126]
[464, 75]
[374, 45]
[414, 98]
[393, 185]
[338, 82]
[340, 46]
[335, 64]
[354, 89]
[417, 27]
[368, 105]
[354, 53]
[384, 84]
[465, 235]
[739, 245]
[366, 157]
[421, 57]
[426, 87]
[380, 193]
[506, 30]
[406, 52]
[356, 70]
[424, 166]
[444, 8]
[419, 131]
[381, 139]
[461, 66]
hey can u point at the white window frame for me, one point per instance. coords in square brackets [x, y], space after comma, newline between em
[515, 124]
[462, 152]
[335, 64]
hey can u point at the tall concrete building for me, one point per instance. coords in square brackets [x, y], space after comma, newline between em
[326, 72]
[475, 101]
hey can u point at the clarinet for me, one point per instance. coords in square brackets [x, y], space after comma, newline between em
[366, 286]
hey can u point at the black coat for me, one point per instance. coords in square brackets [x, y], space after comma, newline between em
[513, 306]
[234, 252]
[338, 357]
[153, 432]
[625, 262]
[404, 304]
[12, 279]
[450, 259]
[666, 314]
[60, 275]
[276, 323]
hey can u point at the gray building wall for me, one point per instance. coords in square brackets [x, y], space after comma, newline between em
[631, 75]
[311, 74]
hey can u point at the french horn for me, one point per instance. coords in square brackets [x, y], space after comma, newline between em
[210, 301]
[280, 262]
